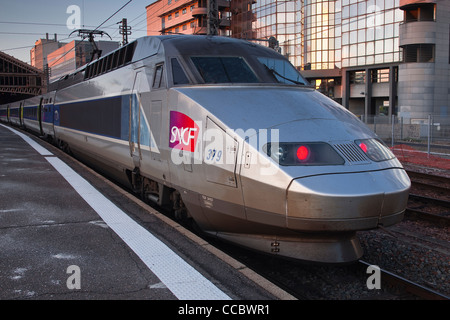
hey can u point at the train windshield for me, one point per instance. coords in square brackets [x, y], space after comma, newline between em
[224, 70]
[282, 71]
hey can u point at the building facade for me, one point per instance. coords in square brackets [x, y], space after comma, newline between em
[42, 48]
[280, 19]
[352, 52]
[424, 75]
[375, 57]
[186, 17]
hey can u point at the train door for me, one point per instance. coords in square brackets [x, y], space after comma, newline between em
[21, 114]
[39, 115]
[135, 116]
[158, 100]
[49, 115]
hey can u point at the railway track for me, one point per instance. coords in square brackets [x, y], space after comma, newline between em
[306, 281]
[430, 182]
[429, 198]
[430, 209]
[411, 287]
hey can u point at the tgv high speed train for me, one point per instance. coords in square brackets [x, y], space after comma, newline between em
[229, 135]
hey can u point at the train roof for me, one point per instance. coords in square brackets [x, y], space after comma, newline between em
[201, 44]
[174, 45]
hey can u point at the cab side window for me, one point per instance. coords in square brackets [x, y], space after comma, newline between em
[158, 80]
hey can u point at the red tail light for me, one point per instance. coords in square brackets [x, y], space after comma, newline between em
[303, 153]
[375, 149]
[363, 147]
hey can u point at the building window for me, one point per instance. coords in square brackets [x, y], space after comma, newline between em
[412, 14]
[418, 53]
[184, 11]
[326, 86]
[423, 12]
[380, 75]
[366, 33]
[357, 77]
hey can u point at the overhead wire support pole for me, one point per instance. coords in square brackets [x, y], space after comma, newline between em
[212, 18]
[124, 30]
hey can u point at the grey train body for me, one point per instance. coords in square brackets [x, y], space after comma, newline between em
[227, 133]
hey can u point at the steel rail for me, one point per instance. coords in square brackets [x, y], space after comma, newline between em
[408, 285]
[430, 177]
[438, 202]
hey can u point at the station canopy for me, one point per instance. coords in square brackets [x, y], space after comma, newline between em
[19, 80]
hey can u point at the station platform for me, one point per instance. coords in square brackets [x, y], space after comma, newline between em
[67, 233]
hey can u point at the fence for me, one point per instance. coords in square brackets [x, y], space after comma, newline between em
[425, 141]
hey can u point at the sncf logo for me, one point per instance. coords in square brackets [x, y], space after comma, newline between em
[183, 132]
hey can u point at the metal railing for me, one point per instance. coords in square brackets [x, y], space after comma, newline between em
[430, 136]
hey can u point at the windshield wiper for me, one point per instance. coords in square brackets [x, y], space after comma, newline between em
[274, 72]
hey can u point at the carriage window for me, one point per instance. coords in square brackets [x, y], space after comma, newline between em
[178, 75]
[158, 81]
[224, 70]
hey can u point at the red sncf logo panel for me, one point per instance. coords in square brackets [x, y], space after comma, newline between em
[183, 132]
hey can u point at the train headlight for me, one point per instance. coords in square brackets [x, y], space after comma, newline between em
[303, 154]
[375, 149]
[278, 153]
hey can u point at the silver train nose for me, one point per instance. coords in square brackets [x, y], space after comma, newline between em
[347, 201]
